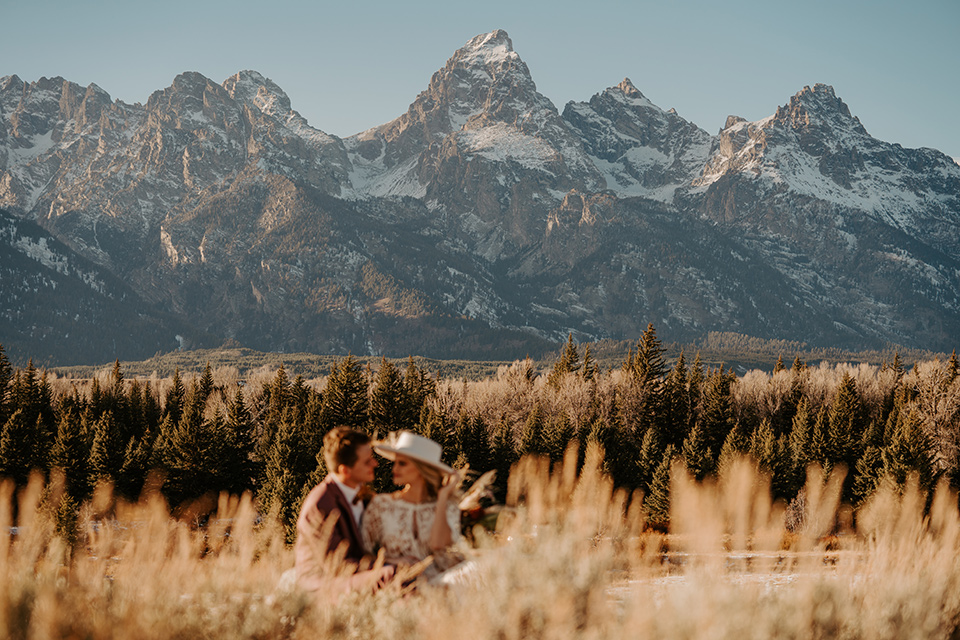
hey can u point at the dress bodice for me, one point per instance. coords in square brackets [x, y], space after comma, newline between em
[402, 529]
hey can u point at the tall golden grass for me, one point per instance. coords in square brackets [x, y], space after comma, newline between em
[571, 559]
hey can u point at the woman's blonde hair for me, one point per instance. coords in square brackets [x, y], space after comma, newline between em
[432, 479]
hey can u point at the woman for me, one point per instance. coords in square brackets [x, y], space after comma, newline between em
[422, 519]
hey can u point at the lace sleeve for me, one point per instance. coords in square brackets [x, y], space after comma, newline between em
[372, 527]
[453, 520]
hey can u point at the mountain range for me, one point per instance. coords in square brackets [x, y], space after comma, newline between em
[482, 223]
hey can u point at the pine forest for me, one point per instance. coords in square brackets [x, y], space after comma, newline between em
[195, 436]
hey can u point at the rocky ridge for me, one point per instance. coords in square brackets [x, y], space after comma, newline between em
[482, 216]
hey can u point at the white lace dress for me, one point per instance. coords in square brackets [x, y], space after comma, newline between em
[402, 530]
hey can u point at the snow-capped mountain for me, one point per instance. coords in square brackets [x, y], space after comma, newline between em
[640, 149]
[815, 148]
[481, 222]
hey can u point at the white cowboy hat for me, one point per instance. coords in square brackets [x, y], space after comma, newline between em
[414, 447]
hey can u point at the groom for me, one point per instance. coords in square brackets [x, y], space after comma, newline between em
[350, 465]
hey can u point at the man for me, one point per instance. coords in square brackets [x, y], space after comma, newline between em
[350, 465]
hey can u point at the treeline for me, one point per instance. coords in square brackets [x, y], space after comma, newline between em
[213, 432]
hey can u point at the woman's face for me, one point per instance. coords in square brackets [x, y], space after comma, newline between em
[405, 472]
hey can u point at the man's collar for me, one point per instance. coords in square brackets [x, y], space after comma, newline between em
[348, 492]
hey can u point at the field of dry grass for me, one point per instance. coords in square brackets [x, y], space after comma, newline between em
[572, 559]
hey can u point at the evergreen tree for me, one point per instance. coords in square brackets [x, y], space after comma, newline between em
[763, 445]
[695, 395]
[6, 375]
[621, 448]
[70, 453]
[643, 405]
[569, 362]
[503, 455]
[283, 489]
[194, 456]
[454, 453]
[675, 423]
[150, 409]
[205, 386]
[717, 417]
[778, 367]
[897, 365]
[559, 436]
[867, 474]
[820, 446]
[648, 364]
[135, 466]
[98, 402]
[651, 455]
[115, 401]
[800, 447]
[798, 365]
[433, 425]
[953, 368]
[472, 444]
[657, 502]
[173, 403]
[772, 454]
[238, 440]
[532, 440]
[388, 400]
[106, 452]
[136, 411]
[737, 444]
[697, 454]
[16, 449]
[910, 451]
[895, 414]
[66, 518]
[299, 397]
[345, 398]
[845, 429]
[418, 388]
[604, 436]
[589, 368]
[278, 399]
[873, 436]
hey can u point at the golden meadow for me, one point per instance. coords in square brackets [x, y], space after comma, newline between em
[572, 559]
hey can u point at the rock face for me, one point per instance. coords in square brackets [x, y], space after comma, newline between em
[480, 223]
[640, 149]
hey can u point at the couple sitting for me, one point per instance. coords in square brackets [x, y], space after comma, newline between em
[420, 521]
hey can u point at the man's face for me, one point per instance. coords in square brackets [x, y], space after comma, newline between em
[363, 468]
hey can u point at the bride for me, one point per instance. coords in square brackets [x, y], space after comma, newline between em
[422, 519]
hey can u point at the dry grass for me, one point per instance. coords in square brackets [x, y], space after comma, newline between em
[572, 560]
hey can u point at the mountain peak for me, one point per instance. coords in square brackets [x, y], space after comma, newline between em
[253, 88]
[10, 81]
[488, 48]
[818, 105]
[628, 88]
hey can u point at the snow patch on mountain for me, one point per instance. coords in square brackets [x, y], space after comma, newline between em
[501, 142]
[36, 145]
[489, 49]
[372, 179]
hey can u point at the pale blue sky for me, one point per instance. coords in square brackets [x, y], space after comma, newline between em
[348, 65]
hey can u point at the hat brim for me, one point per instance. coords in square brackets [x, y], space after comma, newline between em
[390, 453]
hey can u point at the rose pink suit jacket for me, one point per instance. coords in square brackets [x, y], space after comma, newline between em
[324, 499]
